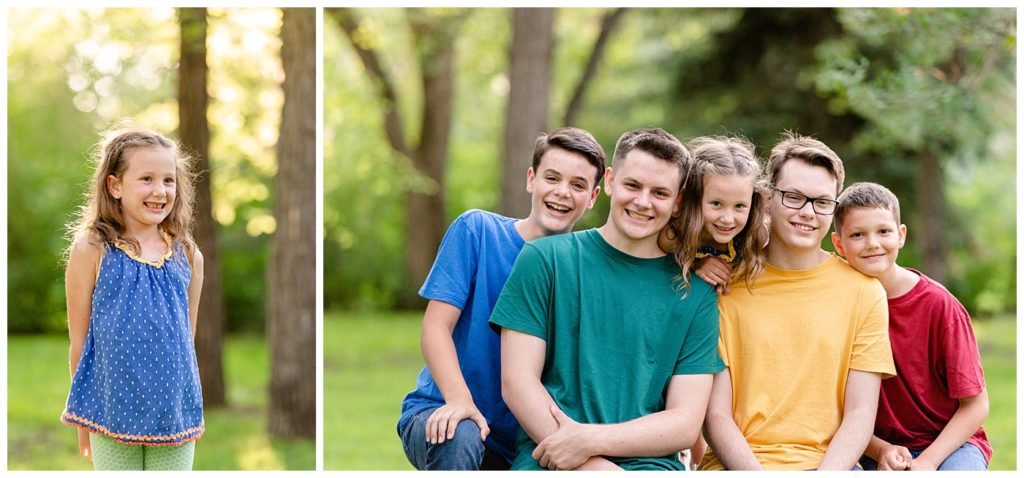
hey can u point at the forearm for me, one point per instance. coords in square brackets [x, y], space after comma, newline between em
[531, 404]
[964, 423]
[443, 363]
[729, 444]
[657, 434]
[850, 440]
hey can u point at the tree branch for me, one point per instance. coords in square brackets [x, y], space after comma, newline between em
[393, 126]
[608, 24]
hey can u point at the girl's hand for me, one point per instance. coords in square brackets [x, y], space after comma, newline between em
[715, 272]
[84, 445]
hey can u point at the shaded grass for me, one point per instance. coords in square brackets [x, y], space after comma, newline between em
[371, 361]
[235, 437]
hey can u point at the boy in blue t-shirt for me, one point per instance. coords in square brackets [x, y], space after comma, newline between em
[455, 419]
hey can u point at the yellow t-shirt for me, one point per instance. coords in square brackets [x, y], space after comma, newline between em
[789, 345]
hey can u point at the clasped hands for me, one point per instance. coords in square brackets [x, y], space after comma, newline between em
[569, 448]
[898, 458]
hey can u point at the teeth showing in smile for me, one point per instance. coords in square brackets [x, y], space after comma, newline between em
[725, 229]
[153, 205]
[638, 217]
[557, 207]
[804, 227]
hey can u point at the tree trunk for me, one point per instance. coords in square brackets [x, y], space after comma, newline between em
[529, 95]
[608, 24]
[425, 211]
[194, 130]
[292, 302]
[931, 204]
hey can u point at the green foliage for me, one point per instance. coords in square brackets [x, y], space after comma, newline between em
[870, 83]
[937, 80]
[371, 361]
[235, 437]
[72, 73]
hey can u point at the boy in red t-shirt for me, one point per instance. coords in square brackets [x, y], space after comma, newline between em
[930, 414]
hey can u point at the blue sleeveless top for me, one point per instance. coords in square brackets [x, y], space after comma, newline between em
[137, 381]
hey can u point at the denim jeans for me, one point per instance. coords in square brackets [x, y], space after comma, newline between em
[464, 451]
[967, 457]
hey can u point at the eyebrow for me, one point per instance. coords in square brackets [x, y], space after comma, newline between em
[555, 171]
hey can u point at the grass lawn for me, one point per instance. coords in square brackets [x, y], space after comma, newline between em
[235, 437]
[371, 362]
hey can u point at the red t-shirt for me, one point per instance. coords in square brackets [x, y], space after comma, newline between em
[937, 362]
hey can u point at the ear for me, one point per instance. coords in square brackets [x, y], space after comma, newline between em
[678, 201]
[838, 244]
[593, 196]
[529, 179]
[609, 178]
[903, 235]
[114, 186]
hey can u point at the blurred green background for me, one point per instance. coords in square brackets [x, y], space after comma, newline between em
[921, 100]
[75, 72]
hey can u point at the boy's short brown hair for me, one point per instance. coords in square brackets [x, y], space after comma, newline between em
[656, 142]
[573, 140]
[808, 150]
[866, 195]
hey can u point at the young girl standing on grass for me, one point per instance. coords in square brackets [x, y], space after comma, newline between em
[133, 281]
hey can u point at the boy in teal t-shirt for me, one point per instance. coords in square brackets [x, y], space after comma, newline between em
[606, 360]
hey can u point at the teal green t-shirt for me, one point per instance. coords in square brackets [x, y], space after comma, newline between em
[616, 327]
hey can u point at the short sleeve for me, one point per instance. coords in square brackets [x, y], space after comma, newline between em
[961, 358]
[699, 353]
[524, 301]
[454, 268]
[872, 351]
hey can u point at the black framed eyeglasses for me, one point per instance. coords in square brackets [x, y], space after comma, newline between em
[795, 200]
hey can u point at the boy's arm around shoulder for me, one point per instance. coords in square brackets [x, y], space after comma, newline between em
[195, 289]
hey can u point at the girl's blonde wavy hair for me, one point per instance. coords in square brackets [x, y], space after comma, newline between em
[721, 156]
[100, 219]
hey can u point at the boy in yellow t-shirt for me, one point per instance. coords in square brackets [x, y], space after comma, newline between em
[807, 345]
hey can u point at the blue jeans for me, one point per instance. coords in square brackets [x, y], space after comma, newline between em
[966, 458]
[464, 451]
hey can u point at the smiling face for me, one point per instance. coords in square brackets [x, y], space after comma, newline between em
[146, 188]
[725, 206]
[561, 189]
[644, 193]
[870, 239]
[797, 233]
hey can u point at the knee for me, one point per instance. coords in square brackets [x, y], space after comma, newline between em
[464, 451]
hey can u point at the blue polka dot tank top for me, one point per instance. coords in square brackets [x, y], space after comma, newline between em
[138, 380]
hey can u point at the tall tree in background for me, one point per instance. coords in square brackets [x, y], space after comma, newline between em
[292, 301]
[433, 34]
[533, 40]
[194, 130]
[530, 56]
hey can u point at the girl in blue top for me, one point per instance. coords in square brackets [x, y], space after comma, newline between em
[133, 280]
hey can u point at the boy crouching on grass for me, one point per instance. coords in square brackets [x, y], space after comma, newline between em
[930, 414]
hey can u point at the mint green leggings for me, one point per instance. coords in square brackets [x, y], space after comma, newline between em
[108, 454]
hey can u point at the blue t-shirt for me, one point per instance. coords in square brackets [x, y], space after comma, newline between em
[472, 265]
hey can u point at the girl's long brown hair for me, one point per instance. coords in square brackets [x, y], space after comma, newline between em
[100, 219]
[721, 156]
